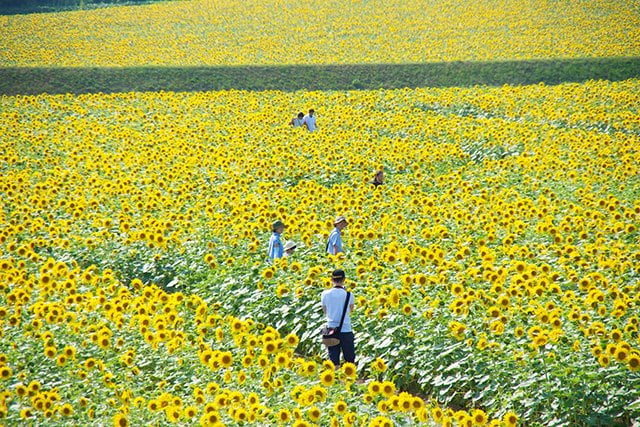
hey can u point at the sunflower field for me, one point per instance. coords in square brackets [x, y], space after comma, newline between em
[496, 271]
[278, 32]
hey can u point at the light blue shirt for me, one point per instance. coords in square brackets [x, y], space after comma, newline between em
[335, 239]
[275, 246]
[333, 299]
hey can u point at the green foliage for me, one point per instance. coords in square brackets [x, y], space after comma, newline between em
[14, 81]
[10, 7]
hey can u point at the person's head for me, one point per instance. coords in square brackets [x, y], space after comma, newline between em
[277, 226]
[379, 176]
[289, 247]
[337, 277]
[340, 222]
[300, 115]
[311, 112]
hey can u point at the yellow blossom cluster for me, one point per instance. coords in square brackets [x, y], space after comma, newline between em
[506, 229]
[276, 32]
[114, 355]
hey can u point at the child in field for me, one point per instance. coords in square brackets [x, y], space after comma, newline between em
[378, 178]
[289, 247]
[275, 245]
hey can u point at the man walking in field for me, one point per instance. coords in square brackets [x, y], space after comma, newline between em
[309, 121]
[334, 243]
[333, 302]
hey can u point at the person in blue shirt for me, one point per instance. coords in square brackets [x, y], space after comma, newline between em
[276, 250]
[334, 243]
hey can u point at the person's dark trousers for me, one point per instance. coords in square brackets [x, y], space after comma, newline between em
[346, 346]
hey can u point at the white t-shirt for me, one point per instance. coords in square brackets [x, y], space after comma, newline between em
[310, 121]
[333, 299]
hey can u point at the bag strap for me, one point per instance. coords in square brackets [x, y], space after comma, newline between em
[344, 310]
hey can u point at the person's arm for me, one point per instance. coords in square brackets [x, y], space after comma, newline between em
[291, 122]
[335, 249]
[351, 306]
[331, 246]
[324, 308]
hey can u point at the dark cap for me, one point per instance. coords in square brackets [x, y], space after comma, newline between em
[338, 275]
[277, 224]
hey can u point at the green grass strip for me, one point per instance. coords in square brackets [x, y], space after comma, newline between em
[31, 81]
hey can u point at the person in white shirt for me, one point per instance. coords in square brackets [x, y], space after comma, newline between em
[297, 121]
[333, 301]
[309, 121]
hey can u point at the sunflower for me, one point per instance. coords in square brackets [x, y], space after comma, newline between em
[209, 418]
[510, 419]
[616, 335]
[66, 410]
[5, 372]
[173, 414]
[120, 420]
[283, 416]
[50, 352]
[387, 389]
[374, 387]
[327, 377]
[21, 390]
[292, 340]
[621, 354]
[314, 413]
[479, 417]
[340, 407]
[225, 359]
[282, 359]
[378, 365]
[633, 361]
[349, 370]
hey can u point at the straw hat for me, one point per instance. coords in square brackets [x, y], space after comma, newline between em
[339, 219]
[290, 245]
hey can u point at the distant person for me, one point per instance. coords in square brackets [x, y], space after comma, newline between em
[296, 122]
[289, 247]
[309, 121]
[276, 249]
[334, 243]
[378, 178]
[333, 303]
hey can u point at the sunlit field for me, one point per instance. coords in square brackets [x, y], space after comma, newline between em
[495, 271]
[277, 32]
